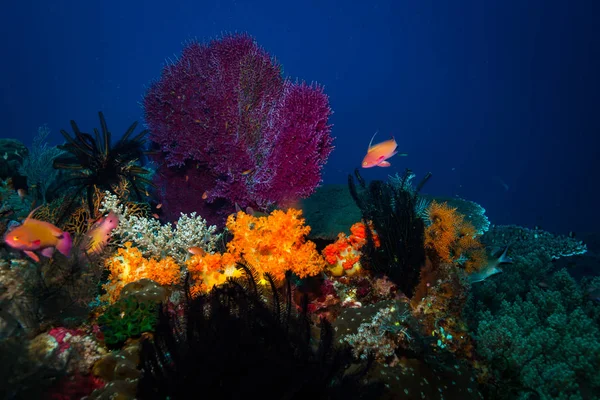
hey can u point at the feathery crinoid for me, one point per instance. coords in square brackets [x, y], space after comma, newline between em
[95, 162]
[245, 340]
[390, 207]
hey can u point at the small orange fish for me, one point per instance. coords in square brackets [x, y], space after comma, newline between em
[246, 172]
[159, 205]
[379, 153]
[155, 216]
[204, 195]
[33, 235]
[187, 178]
[22, 193]
[99, 233]
[197, 251]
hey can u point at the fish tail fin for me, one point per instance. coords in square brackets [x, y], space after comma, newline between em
[65, 243]
[503, 259]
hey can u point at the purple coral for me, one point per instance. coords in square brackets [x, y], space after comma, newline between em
[223, 111]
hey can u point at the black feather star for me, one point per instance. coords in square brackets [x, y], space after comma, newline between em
[93, 161]
[243, 340]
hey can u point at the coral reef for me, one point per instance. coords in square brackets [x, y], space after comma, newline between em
[344, 255]
[12, 153]
[94, 162]
[128, 265]
[453, 239]
[331, 210]
[156, 240]
[38, 165]
[231, 340]
[127, 318]
[391, 209]
[256, 138]
[545, 344]
[523, 240]
[274, 244]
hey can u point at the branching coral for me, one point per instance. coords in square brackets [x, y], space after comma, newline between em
[382, 334]
[274, 244]
[128, 265]
[156, 240]
[438, 304]
[546, 344]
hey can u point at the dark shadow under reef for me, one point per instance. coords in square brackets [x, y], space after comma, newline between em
[244, 341]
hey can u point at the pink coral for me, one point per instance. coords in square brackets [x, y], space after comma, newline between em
[224, 110]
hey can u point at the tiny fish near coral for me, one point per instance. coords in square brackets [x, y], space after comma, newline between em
[33, 235]
[99, 233]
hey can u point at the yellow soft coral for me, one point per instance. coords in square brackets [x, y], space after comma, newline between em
[274, 244]
[128, 265]
[209, 270]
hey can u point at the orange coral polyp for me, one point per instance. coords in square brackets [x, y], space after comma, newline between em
[274, 244]
[452, 238]
[128, 265]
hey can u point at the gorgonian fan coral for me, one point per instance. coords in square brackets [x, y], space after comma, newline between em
[224, 112]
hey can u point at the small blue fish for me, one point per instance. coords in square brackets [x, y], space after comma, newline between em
[492, 267]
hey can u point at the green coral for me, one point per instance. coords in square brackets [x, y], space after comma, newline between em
[546, 344]
[127, 318]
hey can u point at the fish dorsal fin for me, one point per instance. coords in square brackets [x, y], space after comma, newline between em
[371, 142]
[31, 213]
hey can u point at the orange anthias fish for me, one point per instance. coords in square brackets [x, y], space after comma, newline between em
[195, 250]
[35, 235]
[379, 153]
[99, 233]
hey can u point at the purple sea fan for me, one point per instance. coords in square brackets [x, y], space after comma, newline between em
[224, 109]
[299, 150]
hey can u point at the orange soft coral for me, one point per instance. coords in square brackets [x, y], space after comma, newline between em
[209, 270]
[128, 265]
[274, 243]
[343, 256]
[453, 239]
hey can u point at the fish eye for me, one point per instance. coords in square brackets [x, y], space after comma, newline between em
[15, 238]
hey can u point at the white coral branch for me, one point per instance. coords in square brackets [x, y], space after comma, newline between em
[156, 240]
